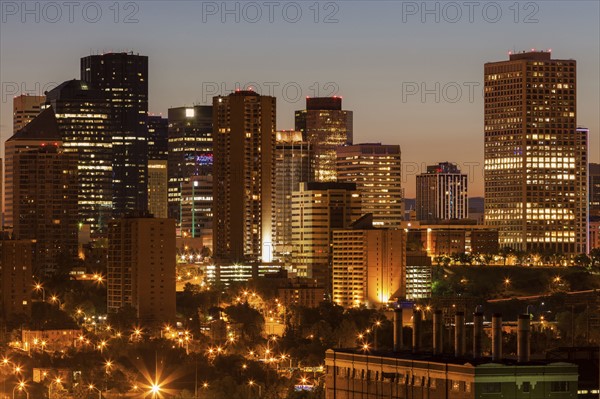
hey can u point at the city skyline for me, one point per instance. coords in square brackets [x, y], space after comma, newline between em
[245, 199]
[397, 66]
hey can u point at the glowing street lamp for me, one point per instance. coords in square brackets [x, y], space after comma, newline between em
[21, 387]
[39, 287]
[56, 381]
[137, 333]
[166, 331]
[80, 313]
[154, 390]
[284, 356]
[557, 279]
[108, 366]
[91, 387]
[251, 383]
[99, 278]
[101, 346]
[56, 299]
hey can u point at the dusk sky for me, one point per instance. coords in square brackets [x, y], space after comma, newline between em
[375, 55]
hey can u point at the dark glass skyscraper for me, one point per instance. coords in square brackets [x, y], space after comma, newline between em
[190, 150]
[158, 138]
[83, 117]
[123, 77]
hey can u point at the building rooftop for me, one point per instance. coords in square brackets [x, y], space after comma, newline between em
[324, 103]
[74, 89]
[443, 167]
[443, 359]
[42, 127]
[240, 93]
[531, 55]
[369, 149]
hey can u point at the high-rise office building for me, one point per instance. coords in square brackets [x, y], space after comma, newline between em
[535, 157]
[190, 150]
[16, 261]
[325, 126]
[244, 163]
[141, 267]
[157, 188]
[197, 208]
[442, 193]
[317, 209]
[83, 117]
[123, 77]
[158, 138]
[377, 171]
[45, 205]
[158, 150]
[42, 130]
[594, 189]
[368, 264]
[291, 168]
[25, 108]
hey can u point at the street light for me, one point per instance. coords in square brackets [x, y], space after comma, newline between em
[284, 356]
[137, 333]
[56, 381]
[21, 387]
[98, 278]
[375, 328]
[54, 298]
[79, 312]
[91, 387]
[251, 383]
[108, 365]
[102, 345]
[5, 362]
[39, 287]
[154, 390]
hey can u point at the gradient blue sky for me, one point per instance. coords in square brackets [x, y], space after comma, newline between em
[370, 54]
